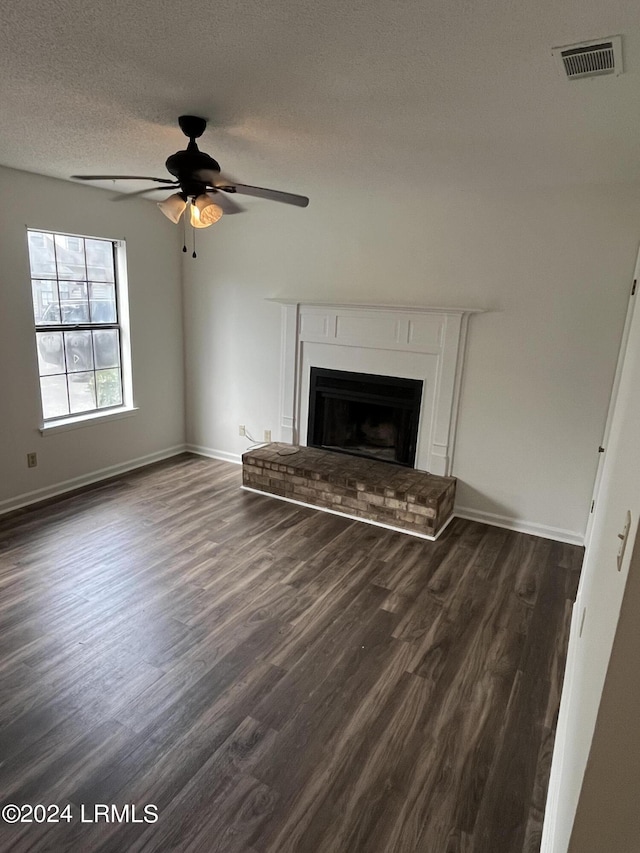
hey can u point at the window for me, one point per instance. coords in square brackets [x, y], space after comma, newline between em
[79, 311]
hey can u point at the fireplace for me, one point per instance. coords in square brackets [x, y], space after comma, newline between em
[424, 344]
[364, 414]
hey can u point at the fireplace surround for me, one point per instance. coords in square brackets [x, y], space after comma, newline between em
[424, 344]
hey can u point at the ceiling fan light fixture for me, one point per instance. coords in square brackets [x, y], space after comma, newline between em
[173, 207]
[204, 211]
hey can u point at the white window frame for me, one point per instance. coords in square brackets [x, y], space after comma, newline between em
[128, 408]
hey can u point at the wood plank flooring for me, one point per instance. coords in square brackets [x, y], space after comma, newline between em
[273, 679]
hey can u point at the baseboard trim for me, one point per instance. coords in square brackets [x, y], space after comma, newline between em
[38, 495]
[28, 498]
[558, 534]
[211, 453]
[351, 517]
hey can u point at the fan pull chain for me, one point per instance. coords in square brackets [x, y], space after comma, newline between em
[184, 233]
[193, 231]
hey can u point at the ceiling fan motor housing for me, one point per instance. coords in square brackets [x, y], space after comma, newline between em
[183, 165]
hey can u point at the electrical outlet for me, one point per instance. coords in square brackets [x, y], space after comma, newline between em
[32, 460]
[267, 435]
[242, 430]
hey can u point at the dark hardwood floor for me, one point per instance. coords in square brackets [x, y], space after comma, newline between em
[271, 678]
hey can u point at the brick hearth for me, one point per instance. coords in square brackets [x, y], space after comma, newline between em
[414, 501]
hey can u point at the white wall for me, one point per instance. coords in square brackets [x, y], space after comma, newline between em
[596, 610]
[552, 268]
[153, 255]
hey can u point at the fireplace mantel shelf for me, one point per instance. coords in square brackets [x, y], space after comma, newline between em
[413, 309]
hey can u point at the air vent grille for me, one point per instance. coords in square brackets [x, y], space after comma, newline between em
[590, 59]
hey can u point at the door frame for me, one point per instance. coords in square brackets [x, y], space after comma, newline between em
[622, 352]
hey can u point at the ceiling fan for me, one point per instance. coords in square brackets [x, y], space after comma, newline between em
[201, 186]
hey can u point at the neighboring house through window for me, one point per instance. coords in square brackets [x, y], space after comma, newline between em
[80, 313]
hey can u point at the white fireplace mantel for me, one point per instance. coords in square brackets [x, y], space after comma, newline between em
[411, 342]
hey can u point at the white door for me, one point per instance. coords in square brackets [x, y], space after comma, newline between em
[597, 607]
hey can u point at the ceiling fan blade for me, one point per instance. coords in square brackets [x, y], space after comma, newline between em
[122, 178]
[220, 182]
[262, 192]
[124, 196]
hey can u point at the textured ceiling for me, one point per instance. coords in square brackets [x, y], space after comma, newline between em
[297, 93]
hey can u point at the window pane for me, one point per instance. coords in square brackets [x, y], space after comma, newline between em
[103, 302]
[70, 257]
[82, 392]
[99, 260]
[79, 351]
[106, 347]
[54, 396]
[46, 308]
[74, 302]
[41, 255]
[109, 388]
[50, 353]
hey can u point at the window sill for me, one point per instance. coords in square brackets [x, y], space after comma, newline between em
[87, 420]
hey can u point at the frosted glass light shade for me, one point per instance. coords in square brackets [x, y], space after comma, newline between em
[173, 207]
[204, 211]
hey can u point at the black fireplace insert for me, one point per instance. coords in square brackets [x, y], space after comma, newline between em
[364, 414]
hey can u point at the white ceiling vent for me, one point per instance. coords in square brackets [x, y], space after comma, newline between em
[590, 58]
